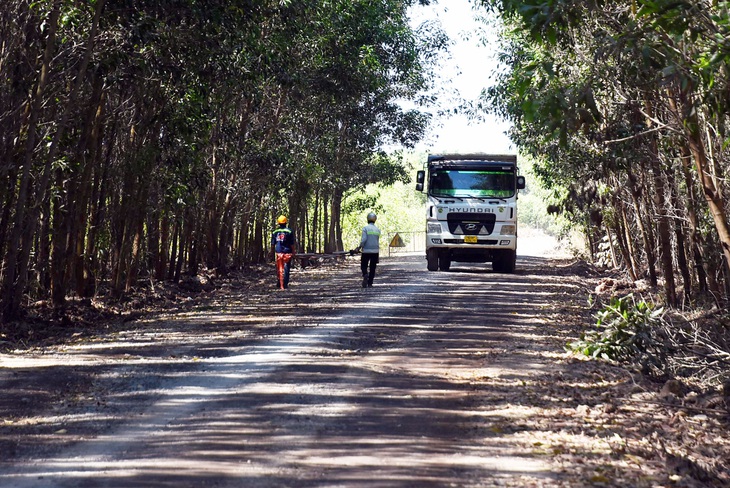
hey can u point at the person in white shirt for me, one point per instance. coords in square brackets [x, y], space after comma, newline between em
[370, 247]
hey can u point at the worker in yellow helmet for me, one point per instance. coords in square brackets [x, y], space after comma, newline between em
[283, 243]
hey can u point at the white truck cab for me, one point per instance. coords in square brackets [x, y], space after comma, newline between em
[471, 210]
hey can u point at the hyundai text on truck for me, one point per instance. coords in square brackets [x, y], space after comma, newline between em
[471, 209]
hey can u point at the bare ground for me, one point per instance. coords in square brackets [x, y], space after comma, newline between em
[428, 379]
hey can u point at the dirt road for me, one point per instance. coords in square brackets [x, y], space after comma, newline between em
[425, 380]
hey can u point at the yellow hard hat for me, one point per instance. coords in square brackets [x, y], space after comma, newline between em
[281, 219]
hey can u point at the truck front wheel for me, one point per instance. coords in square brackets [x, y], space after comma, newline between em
[504, 261]
[432, 260]
[444, 262]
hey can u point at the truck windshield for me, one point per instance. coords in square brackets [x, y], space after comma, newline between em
[477, 183]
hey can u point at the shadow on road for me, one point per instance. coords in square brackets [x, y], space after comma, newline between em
[426, 380]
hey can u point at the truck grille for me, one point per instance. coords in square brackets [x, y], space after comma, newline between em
[471, 223]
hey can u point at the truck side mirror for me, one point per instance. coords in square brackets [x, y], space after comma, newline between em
[420, 178]
[520, 182]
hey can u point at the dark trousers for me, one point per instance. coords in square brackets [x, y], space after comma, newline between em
[368, 262]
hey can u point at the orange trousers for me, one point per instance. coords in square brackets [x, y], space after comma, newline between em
[283, 266]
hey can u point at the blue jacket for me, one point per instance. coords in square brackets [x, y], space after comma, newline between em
[283, 240]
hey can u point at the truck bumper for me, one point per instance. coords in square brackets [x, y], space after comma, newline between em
[484, 243]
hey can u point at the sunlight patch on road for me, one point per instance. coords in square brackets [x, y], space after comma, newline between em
[384, 459]
[128, 470]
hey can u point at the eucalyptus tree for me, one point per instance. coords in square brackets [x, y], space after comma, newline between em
[634, 89]
[43, 132]
[349, 63]
[153, 137]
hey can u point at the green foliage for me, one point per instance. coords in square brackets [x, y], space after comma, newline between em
[610, 98]
[534, 201]
[399, 206]
[623, 331]
[194, 122]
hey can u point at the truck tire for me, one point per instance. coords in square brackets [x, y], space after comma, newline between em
[444, 263]
[432, 260]
[504, 261]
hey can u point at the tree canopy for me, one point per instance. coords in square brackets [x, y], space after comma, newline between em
[147, 138]
[624, 105]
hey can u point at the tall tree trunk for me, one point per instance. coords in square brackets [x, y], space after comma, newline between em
[153, 242]
[90, 152]
[44, 249]
[212, 214]
[314, 229]
[681, 104]
[695, 237]
[245, 234]
[59, 251]
[623, 248]
[679, 236]
[124, 229]
[12, 283]
[713, 194]
[591, 238]
[185, 234]
[137, 225]
[665, 240]
[8, 179]
[98, 211]
[646, 238]
[334, 241]
[163, 246]
[660, 205]
[297, 204]
[628, 239]
[225, 238]
[176, 232]
[260, 242]
[194, 224]
[326, 202]
[612, 248]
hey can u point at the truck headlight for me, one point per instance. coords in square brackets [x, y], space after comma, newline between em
[434, 228]
[508, 230]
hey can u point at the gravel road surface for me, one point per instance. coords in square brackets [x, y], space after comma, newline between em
[425, 380]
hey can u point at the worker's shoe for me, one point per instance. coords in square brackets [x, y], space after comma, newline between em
[364, 281]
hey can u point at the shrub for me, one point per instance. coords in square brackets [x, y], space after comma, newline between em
[624, 331]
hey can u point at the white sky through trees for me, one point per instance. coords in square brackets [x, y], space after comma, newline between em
[470, 70]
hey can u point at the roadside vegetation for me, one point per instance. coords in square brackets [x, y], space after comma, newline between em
[624, 109]
[399, 206]
[146, 141]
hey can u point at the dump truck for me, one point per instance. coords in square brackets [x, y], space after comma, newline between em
[471, 209]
